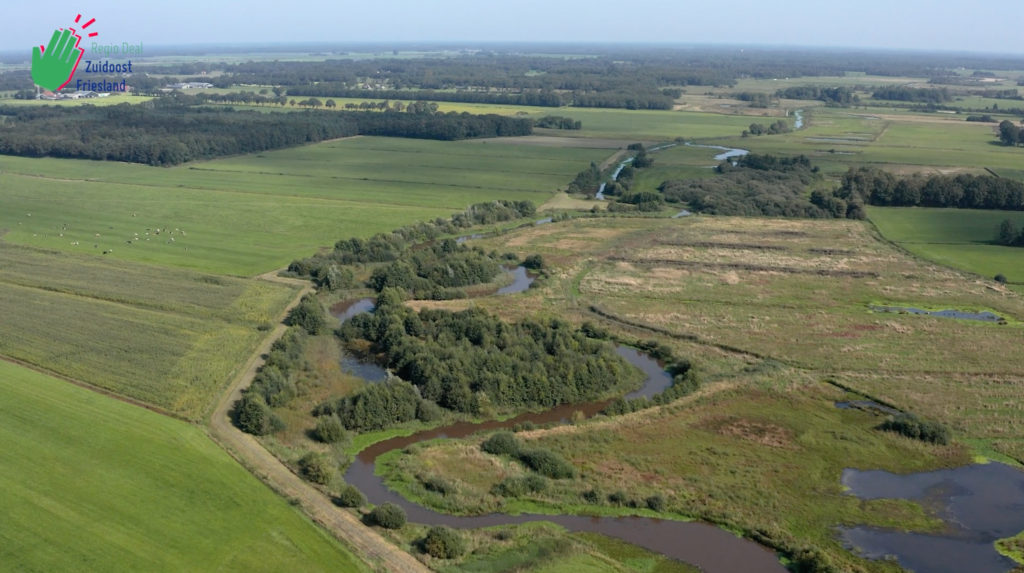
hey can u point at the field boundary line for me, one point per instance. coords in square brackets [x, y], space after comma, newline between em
[93, 388]
[250, 453]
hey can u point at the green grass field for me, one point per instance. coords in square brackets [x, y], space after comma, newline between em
[961, 238]
[251, 214]
[94, 484]
[168, 337]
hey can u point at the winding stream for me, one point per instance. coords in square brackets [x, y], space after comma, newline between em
[712, 549]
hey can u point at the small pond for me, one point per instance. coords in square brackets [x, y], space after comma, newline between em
[521, 280]
[980, 504]
[866, 405]
[961, 314]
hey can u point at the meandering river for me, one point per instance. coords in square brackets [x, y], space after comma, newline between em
[712, 549]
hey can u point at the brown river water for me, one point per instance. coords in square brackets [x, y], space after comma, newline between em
[710, 548]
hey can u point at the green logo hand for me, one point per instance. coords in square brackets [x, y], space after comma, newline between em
[55, 67]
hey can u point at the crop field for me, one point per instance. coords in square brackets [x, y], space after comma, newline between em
[961, 238]
[255, 213]
[94, 484]
[170, 338]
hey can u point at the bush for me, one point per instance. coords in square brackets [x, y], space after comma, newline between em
[618, 498]
[591, 496]
[501, 444]
[309, 315]
[388, 516]
[911, 426]
[253, 416]
[350, 496]
[519, 486]
[428, 411]
[547, 463]
[1000, 278]
[534, 262]
[329, 430]
[316, 468]
[656, 502]
[443, 543]
[439, 485]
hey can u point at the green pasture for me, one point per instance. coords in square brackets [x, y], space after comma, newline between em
[961, 238]
[250, 214]
[94, 484]
[167, 337]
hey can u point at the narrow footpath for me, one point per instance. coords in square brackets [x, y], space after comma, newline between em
[378, 552]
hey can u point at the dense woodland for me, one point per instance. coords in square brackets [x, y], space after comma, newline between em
[964, 191]
[170, 131]
[762, 185]
[473, 362]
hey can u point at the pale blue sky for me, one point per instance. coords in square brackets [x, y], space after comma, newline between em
[989, 26]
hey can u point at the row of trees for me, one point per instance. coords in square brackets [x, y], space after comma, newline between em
[473, 362]
[776, 128]
[170, 130]
[558, 122]
[913, 95]
[542, 98]
[838, 96]
[327, 269]
[965, 191]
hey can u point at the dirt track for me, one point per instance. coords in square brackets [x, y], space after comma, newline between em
[369, 545]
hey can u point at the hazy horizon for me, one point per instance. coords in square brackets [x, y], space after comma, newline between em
[912, 25]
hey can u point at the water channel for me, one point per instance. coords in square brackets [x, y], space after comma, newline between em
[712, 549]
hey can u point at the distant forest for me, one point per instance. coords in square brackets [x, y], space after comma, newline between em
[622, 77]
[170, 131]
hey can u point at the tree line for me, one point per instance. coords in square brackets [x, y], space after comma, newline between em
[542, 98]
[328, 271]
[171, 131]
[913, 95]
[838, 96]
[964, 191]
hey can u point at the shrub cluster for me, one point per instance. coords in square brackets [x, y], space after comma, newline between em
[388, 516]
[350, 496]
[273, 385]
[519, 486]
[379, 406]
[540, 460]
[443, 543]
[911, 426]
